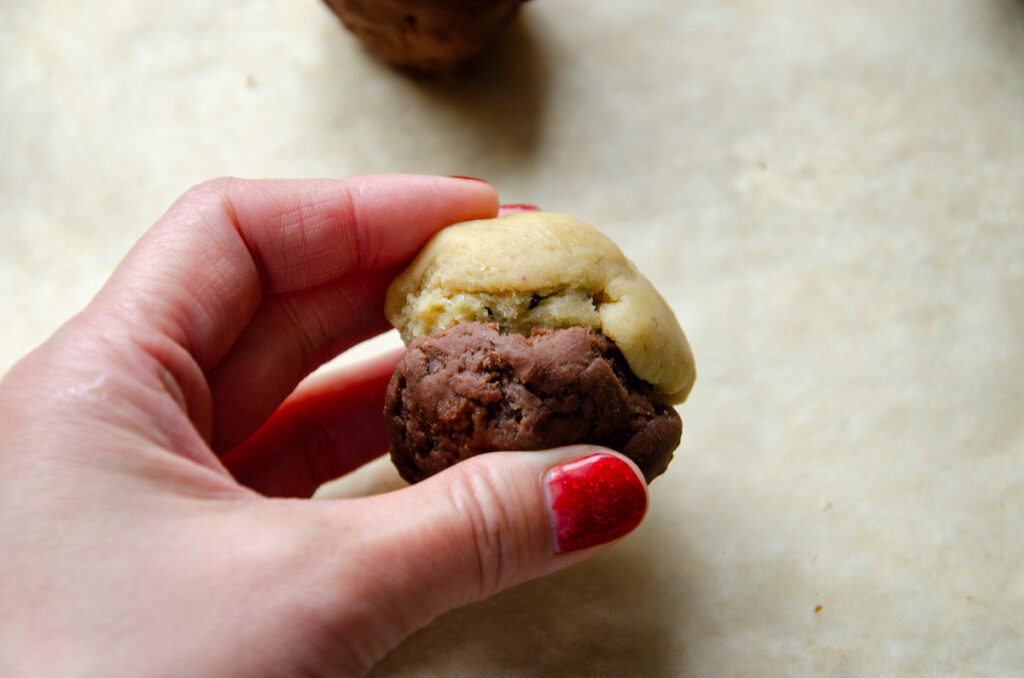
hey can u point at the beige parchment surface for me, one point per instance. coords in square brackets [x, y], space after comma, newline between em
[830, 195]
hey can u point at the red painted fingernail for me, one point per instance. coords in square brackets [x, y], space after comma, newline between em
[593, 500]
[482, 181]
[519, 207]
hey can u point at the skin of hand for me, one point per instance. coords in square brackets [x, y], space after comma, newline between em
[158, 451]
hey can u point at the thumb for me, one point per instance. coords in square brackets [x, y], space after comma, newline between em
[492, 522]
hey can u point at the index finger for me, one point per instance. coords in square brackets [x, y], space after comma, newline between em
[200, 273]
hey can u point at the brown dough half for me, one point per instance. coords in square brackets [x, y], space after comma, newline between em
[470, 389]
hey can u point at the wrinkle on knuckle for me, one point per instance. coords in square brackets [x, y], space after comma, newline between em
[294, 230]
[364, 242]
[311, 330]
[492, 527]
[293, 318]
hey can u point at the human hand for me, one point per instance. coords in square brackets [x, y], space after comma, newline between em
[156, 453]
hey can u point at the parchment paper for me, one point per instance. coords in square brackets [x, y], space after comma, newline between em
[830, 195]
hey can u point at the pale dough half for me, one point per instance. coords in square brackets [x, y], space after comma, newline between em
[543, 269]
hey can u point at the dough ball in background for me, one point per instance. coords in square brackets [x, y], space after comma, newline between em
[434, 36]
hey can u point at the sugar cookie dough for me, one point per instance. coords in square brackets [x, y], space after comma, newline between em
[531, 331]
[543, 269]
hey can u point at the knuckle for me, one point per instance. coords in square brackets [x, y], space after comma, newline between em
[490, 515]
[210, 187]
[212, 194]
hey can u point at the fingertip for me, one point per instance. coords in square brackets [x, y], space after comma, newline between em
[480, 190]
[395, 214]
[593, 500]
[474, 191]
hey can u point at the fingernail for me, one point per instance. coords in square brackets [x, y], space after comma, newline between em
[592, 501]
[482, 181]
[519, 207]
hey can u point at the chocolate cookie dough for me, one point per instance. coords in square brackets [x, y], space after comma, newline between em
[471, 389]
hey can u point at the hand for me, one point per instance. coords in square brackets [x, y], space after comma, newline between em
[156, 453]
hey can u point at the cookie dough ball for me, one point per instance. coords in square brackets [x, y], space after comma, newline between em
[471, 389]
[426, 35]
[543, 269]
